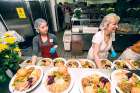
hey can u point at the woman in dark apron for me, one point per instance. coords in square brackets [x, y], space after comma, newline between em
[44, 44]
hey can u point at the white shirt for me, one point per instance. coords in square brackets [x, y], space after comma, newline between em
[98, 38]
[129, 54]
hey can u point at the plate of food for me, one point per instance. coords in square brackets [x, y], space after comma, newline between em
[106, 64]
[73, 63]
[58, 62]
[45, 62]
[58, 80]
[95, 83]
[26, 62]
[135, 64]
[26, 79]
[120, 64]
[86, 63]
[125, 81]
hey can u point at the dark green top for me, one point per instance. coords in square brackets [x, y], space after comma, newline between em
[36, 43]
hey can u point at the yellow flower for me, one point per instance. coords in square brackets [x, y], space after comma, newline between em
[7, 34]
[10, 40]
[3, 47]
[17, 49]
[1, 40]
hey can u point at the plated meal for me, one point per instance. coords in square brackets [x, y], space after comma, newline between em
[26, 63]
[45, 62]
[106, 64]
[134, 64]
[26, 79]
[126, 81]
[73, 63]
[95, 83]
[29, 61]
[121, 64]
[58, 62]
[58, 80]
[85, 63]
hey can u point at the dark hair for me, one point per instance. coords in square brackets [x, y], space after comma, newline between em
[60, 3]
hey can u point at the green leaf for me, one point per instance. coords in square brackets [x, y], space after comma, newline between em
[6, 63]
[3, 77]
[11, 65]
[101, 90]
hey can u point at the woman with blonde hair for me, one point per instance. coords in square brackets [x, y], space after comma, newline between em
[131, 53]
[102, 40]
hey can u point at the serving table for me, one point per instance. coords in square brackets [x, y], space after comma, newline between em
[76, 74]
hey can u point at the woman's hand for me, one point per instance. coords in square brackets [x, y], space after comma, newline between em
[52, 50]
[113, 54]
[98, 63]
[34, 58]
[96, 54]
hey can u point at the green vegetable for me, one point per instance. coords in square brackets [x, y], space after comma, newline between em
[138, 83]
[102, 90]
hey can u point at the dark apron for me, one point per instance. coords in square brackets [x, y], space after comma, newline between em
[45, 49]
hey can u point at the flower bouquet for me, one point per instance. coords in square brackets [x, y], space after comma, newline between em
[9, 56]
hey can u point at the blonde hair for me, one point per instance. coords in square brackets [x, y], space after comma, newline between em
[38, 23]
[106, 20]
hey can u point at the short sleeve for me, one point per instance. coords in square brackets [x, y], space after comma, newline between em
[55, 40]
[97, 38]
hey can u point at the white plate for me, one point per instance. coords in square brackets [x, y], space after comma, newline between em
[79, 65]
[132, 66]
[38, 63]
[89, 74]
[108, 62]
[113, 75]
[64, 60]
[39, 80]
[24, 63]
[92, 62]
[115, 61]
[116, 80]
[55, 69]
